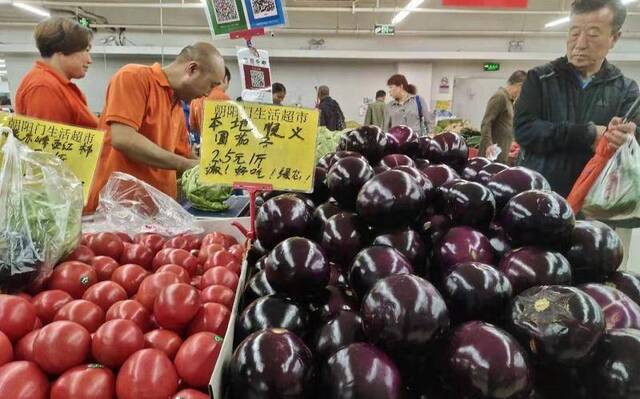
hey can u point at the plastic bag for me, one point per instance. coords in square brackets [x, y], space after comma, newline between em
[132, 206]
[493, 151]
[40, 213]
[615, 194]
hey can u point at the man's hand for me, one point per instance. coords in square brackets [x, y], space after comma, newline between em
[618, 132]
[187, 164]
[600, 131]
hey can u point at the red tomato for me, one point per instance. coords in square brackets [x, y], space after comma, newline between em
[219, 276]
[123, 236]
[166, 340]
[60, 346]
[37, 324]
[195, 281]
[87, 314]
[73, 277]
[107, 244]
[219, 238]
[129, 277]
[24, 295]
[178, 257]
[86, 237]
[223, 258]
[23, 380]
[104, 267]
[176, 305]
[82, 254]
[212, 317]
[234, 266]
[89, 381]
[115, 341]
[24, 348]
[147, 374]
[194, 241]
[105, 294]
[47, 303]
[177, 242]
[160, 259]
[151, 287]
[190, 394]
[153, 241]
[209, 250]
[218, 294]
[17, 316]
[131, 310]
[137, 254]
[197, 357]
[177, 270]
[6, 350]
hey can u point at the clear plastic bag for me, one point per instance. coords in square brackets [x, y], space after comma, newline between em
[40, 213]
[132, 206]
[615, 195]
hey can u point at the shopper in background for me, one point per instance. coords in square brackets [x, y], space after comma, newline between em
[5, 104]
[279, 92]
[46, 91]
[497, 124]
[566, 105]
[218, 93]
[147, 135]
[406, 108]
[376, 111]
[331, 115]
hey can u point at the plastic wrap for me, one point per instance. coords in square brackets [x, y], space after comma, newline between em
[132, 206]
[206, 197]
[40, 213]
[615, 194]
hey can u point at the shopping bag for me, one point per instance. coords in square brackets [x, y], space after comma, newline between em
[592, 170]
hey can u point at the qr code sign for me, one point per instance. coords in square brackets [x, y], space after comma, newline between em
[226, 11]
[264, 8]
[257, 79]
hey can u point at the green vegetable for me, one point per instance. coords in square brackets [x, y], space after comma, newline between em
[327, 141]
[204, 197]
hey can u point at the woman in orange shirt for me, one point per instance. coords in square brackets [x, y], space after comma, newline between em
[46, 91]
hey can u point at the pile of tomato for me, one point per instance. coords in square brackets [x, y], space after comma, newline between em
[122, 318]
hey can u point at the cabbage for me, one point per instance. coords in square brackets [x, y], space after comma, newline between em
[204, 197]
[327, 141]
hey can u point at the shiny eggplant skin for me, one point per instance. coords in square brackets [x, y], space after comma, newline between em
[473, 166]
[615, 370]
[440, 174]
[470, 204]
[513, 181]
[455, 151]
[485, 174]
[280, 218]
[369, 141]
[394, 160]
[272, 311]
[343, 236]
[410, 244]
[375, 263]
[257, 287]
[342, 330]
[463, 244]
[407, 139]
[320, 216]
[528, 267]
[345, 179]
[628, 283]
[619, 310]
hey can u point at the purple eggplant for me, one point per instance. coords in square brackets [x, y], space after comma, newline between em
[336, 276]
[369, 141]
[463, 244]
[513, 181]
[440, 174]
[393, 146]
[498, 240]
[345, 179]
[407, 140]
[455, 151]
[628, 283]
[421, 179]
[375, 263]
[410, 244]
[470, 204]
[280, 218]
[342, 330]
[257, 287]
[394, 160]
[343, 236]
[321, 214]
[272, 311]
[485, 174]
[331, 301]
[429, 149]
[619, 310]
[434, 227]
[615, 370]
[271, 363]
[421, 163]
[344, 154]
[473, 166]
[325, 161]
[320, 190]
[528, 267]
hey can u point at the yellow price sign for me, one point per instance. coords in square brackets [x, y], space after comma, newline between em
[258, 144]
[443, 105]
[77, 147]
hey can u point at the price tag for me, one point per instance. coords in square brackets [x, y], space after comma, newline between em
[258, 143]
[77, 147]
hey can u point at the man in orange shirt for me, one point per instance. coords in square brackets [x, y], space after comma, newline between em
[143, 117]
[196, 109]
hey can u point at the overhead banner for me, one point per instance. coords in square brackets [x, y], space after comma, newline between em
[229, 16]
[487, 3]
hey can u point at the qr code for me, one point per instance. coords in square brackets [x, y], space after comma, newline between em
[264, 8]
[226, 11]
[257, 79]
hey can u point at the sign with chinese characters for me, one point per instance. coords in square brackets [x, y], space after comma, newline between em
[256, 143]
[226, 17]
[77, 147]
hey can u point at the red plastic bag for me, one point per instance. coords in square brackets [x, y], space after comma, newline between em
[589, 175]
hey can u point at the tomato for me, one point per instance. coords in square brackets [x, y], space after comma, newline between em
[178, 257]
[104, 267]
[107, 244]
[179, 271]
[37, 324]
[223, 258]
[233, 266]
[151, 287]
[219, 238]
[137, 254]
[194, 241]
[147, 374]
[123, 236]
[105, 294]
[47, 304]
[190, 394]
[6, 350]
[23, 380]
[86, 237]
[212, 317]
[129, 277]
[23, 349]
[130, 310]
[206, 252]
[73, 277]
[197, 357]
[160, 259]
[153, 241]
[177, 242]
[82, 254]
[196, 280]
[218, 294]
[60, 346]
[89, 381]
[166, 340]
[237, 251]
[219, 276]
[87, 314]
[115, 341]
[176, 305]
[17, 316]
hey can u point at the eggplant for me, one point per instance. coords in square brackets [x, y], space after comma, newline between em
[272, 311]
[463, 244]
[345, 179]
[280, 218]
[320, 216]
[320, 189]
[342, 330]
[369, 141]
[498, 240]
[473, 166]
[325, 161]
[331, 301]
[430, 149]
[257, 287]
[421, 179]
[410, 244]
[628, 283]
[528, 267]
[485, 174]
[434, 227]
[470, 204]
[439, 174]
[513, 181]
[619, 310]
[394, 160]
[343, 236]
[455, 151]
[374, 263]
[336, 277]
[406, 138]
[393, 146]
[615, 370]
[344, 154]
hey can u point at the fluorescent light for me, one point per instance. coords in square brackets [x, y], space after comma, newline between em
[557, 22]
[625, 2]
[34, 10]
[412, 5]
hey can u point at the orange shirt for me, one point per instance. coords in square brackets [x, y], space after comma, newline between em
[139, 96]
[46, 94]
[196, 109]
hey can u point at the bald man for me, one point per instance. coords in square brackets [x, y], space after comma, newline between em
[144, 121]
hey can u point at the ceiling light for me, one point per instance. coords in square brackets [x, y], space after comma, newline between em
[413, 4]
[564, 20]
[34, 10]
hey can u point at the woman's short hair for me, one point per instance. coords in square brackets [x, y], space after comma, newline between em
[61, 35]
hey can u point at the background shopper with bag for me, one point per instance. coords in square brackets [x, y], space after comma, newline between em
[407, 108]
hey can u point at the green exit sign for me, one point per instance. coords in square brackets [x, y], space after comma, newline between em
[384, 30]
[491, 66]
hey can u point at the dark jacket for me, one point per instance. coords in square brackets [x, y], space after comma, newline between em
[331, 115]
[555, 121]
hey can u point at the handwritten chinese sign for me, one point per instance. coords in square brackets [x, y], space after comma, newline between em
[257, 143]
[77, 147]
